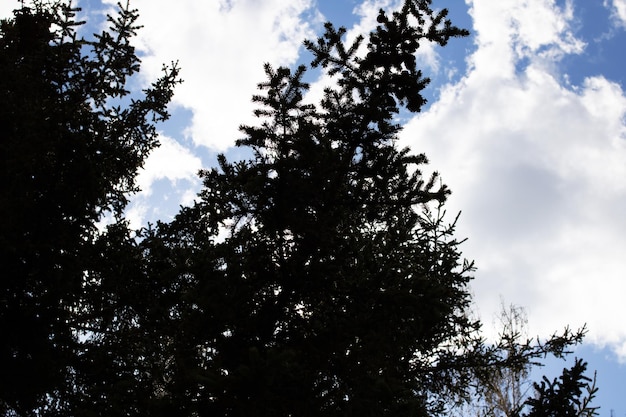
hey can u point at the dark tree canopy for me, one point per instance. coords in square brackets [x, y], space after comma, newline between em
[334, 292]
[317, 278]
[68, 157]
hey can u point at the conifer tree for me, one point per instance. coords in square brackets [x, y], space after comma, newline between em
[319, 277]
[504, 387]
[568, 396]
[70, 150]
[338, 288]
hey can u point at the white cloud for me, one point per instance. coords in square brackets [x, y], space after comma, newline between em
[368, 12]
[512, 30]
[221, 47]
[538, 170]
[7, 7]
[618, 9]
[170, 161]
[178, 167]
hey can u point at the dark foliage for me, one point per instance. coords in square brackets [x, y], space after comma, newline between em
[568, 396]
[503, 388]
[68, 157]
[333, 292]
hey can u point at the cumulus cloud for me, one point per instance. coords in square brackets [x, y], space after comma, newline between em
[175, 168]
[170, 160]
[537, 169]
[221, 47]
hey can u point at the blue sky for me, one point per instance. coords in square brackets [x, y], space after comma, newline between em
[526, 123]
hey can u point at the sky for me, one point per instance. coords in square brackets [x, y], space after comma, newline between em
[526, 123]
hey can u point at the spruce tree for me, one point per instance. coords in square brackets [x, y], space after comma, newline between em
[337, 288]
[319, 277]
[568, 396]
[71, 147]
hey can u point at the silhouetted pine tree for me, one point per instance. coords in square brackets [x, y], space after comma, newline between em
[337, 289]
[68, 155]
[318, 278]
[568, 396]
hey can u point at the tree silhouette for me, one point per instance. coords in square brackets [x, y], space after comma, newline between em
[319, 277]
[568, 396]
[69, 155]
[504, 388]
